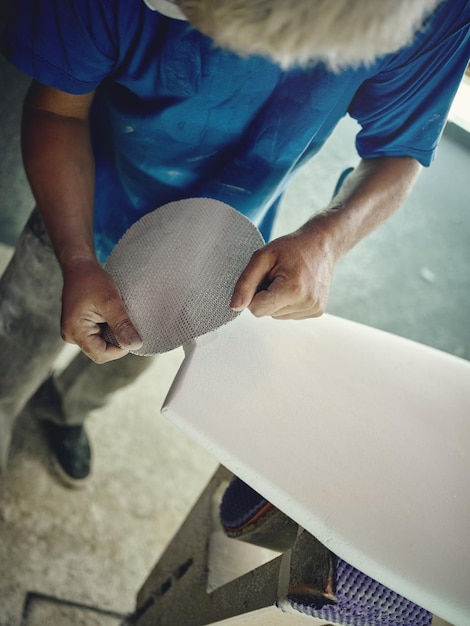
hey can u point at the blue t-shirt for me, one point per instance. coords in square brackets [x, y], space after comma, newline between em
[175, 117]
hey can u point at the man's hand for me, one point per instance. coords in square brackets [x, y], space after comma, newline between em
[90, 298]
[287, 279]
[59, 162]
[290, 277]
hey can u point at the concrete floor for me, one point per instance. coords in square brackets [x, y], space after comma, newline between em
[70, 558]
[63, 550]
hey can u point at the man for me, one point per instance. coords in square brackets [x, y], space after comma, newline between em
[133, 106]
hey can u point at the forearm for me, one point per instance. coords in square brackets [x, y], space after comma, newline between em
[60, 168]
[367, 198]
[298, 268]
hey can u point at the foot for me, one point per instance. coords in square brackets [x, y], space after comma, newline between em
[69, 445]
[71, 452]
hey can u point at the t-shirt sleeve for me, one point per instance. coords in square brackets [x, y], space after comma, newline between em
[403, 109]
[67, 44]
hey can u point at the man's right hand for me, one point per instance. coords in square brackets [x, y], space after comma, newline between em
[59, 163]
[91, 298]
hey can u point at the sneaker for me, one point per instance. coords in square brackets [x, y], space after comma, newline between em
[69, 445]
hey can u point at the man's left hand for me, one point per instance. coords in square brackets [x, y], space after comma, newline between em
[288, 278]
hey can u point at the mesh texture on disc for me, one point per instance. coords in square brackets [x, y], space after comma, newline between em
[177, 267]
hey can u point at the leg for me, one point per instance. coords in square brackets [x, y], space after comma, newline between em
[63, 402]
[85, 386]
[68, 397]
[30, 291]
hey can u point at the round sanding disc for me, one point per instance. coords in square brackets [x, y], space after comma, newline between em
[177, 267]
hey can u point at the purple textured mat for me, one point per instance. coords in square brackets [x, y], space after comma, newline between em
[362, 601]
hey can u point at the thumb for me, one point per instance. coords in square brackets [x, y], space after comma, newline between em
[121, 327]
[251, 280]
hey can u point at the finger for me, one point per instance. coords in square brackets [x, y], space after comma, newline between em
[297, 312]
[298, 315]
[272, 300]
[101, 352]
[121, 327]
[254, 275]
[88, 337]
[67, 338]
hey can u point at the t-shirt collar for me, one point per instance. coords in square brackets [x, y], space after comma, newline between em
[166, 7]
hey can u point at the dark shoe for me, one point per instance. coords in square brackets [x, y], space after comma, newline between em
[71, 452]
[69, 445]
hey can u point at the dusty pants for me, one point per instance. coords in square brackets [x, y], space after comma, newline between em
[30, 295]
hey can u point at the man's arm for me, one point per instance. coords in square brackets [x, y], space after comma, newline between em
[60, 168]
[295, 271]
